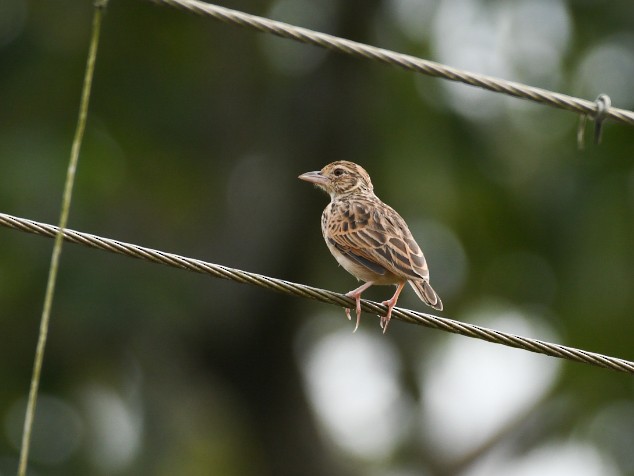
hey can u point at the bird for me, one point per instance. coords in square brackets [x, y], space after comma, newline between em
[368, 238]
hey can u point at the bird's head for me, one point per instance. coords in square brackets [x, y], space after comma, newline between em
[340, 179]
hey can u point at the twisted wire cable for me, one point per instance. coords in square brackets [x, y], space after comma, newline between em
[301, 290]
[407, 62]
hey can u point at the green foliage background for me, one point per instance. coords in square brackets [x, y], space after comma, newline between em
[194, 142]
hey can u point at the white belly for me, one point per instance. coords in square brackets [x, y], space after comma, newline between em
[361, 272]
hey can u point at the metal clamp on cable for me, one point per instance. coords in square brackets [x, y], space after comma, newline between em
[603, 103]
[603, 106]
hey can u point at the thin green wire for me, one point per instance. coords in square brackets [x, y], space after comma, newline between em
[57, 248]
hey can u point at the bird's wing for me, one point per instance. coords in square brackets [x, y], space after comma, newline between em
[375, 236]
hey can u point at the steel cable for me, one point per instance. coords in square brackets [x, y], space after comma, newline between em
[407, 62]
[301, 290]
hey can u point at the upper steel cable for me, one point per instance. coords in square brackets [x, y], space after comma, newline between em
[410, 63]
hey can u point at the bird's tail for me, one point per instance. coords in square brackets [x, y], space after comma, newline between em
[426, 293]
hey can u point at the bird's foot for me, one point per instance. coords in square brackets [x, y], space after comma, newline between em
[356, 295]
[385, 320]
[390, 303]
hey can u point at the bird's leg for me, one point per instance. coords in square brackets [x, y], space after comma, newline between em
[356, 294]
[390, 303]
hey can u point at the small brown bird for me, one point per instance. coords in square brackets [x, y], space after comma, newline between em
[369, 238]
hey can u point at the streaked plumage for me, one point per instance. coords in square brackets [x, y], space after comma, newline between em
[369, 238]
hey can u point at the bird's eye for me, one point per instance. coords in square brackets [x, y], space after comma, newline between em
[338, 172]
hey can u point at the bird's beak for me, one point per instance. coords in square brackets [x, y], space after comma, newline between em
[315, 177]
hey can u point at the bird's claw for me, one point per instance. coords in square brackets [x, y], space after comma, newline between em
[356, 326]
